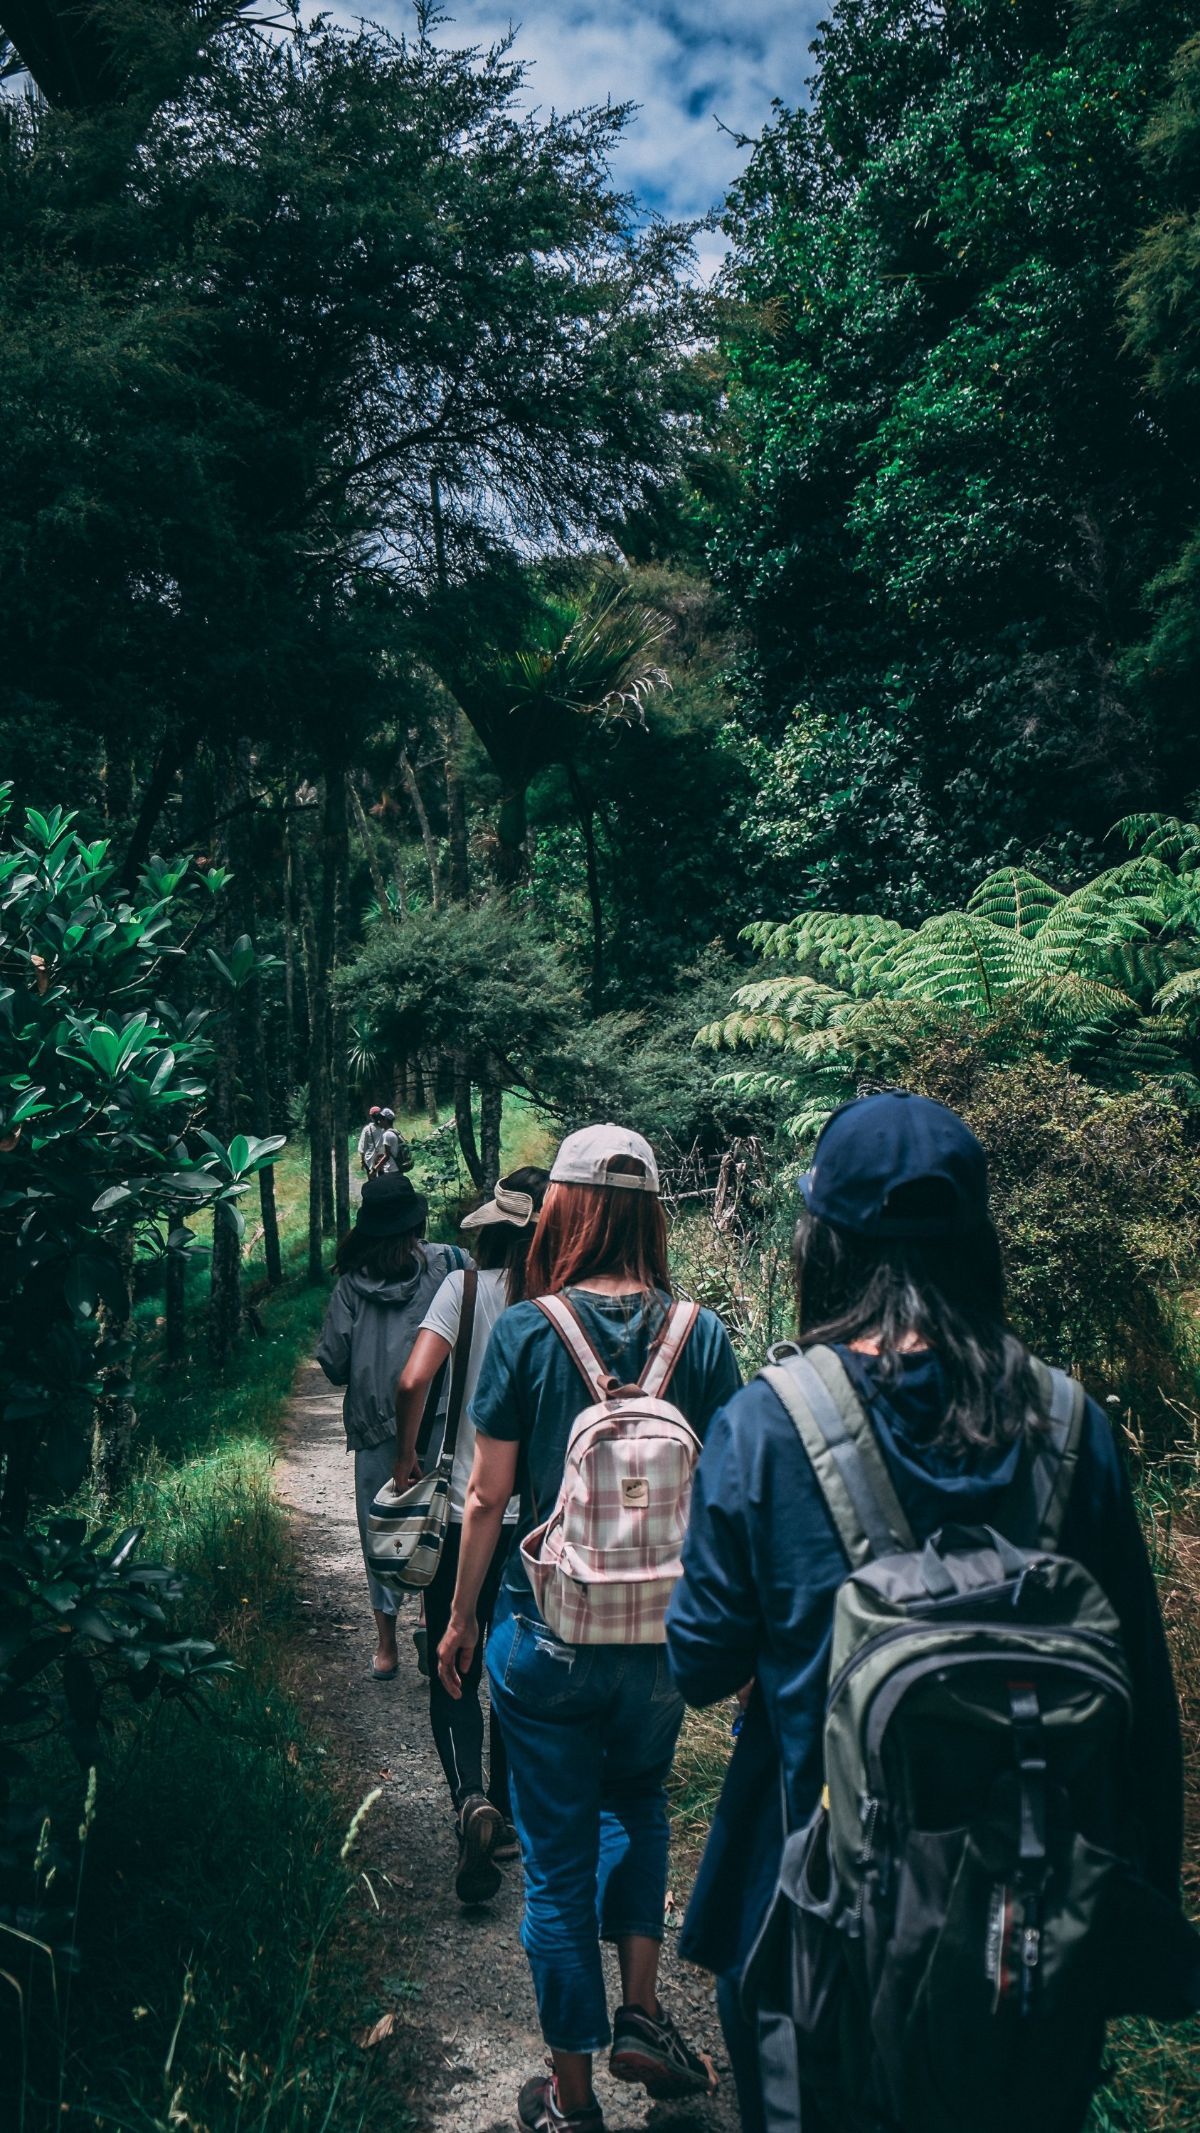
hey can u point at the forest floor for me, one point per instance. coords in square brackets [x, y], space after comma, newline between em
[462, 2030]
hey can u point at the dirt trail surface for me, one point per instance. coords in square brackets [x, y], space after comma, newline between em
[469, 2014]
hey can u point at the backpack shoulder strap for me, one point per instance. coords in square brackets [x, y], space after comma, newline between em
[462, 1362]
[672, 1338]
[1054, 1452]
[835, 1430]
[568, 1325]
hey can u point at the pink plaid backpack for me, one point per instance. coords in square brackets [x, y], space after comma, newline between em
[606, 1561]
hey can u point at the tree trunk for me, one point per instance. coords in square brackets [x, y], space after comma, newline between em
[174, 1305]
[261, 1099]
[340, 1115]
[115, 1420]
[512, 829]
[464, 1121]
[456, 816]
[178, 746]
[586, 811]
[429, 1083]
[411, 787]
[491, 1104]
[225, 1288]
[318, 950]
[378, 883]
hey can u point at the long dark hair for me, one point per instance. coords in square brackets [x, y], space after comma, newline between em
[506, 1244]
[383, 1258]
[949, 1293]
[598, 1229]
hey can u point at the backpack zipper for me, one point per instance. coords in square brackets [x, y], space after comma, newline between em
[909, 1629]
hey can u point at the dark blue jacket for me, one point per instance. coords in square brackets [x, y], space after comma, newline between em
[762, 1565]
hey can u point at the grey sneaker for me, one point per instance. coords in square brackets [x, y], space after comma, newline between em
[649, 2049]
[477, 1875]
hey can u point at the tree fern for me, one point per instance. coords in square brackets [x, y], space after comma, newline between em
[1105, 977]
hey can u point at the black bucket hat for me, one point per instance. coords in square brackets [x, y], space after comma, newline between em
[390, 1207]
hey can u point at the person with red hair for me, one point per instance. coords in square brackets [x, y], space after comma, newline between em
[590, 1728]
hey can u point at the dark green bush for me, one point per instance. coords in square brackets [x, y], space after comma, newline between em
[1097, 1199]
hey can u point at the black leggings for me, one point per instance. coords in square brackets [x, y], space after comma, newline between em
[458, 1726]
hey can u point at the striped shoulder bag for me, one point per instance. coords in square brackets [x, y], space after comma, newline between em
[406, 1528]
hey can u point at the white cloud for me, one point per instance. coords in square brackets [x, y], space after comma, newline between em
[686, 63]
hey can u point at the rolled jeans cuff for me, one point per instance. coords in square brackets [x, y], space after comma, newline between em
[598, 2044]
[631, 1929]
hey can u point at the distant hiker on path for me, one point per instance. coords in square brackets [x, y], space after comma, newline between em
[590, 1726]
[988, 1813]
[392, 1152]
[387, 1279]
[370, 1140]
[502, 1230]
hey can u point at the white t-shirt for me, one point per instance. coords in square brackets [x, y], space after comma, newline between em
[443, 1318]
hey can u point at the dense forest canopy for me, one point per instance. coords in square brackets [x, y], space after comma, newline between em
[958, 490]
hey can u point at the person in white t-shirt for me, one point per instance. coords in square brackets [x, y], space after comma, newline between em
[502, 1230]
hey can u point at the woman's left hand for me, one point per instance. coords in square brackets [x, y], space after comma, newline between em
[456, 1653]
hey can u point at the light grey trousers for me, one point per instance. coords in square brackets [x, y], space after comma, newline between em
[372, 1468]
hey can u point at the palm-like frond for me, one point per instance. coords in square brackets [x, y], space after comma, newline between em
[1105, 977]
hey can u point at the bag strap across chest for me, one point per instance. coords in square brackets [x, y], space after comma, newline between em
[836, 1431]
[671, 1340]
[462, 1362]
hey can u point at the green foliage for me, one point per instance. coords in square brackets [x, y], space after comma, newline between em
[1105, 977]
[1095, 1198]
[940, 500]
[229, 1992]
[476, 981]
[336, 317]
[101, 1082]
[1162, 313]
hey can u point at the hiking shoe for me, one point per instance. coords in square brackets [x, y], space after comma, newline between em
[538, 2112]
[649, 2049]
[508, 1845]
[479, 1825]
[421, 1640]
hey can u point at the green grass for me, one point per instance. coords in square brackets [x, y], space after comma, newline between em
[221, 1971]
[225, 1963]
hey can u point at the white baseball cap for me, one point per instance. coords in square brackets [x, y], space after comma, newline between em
[584, 1159]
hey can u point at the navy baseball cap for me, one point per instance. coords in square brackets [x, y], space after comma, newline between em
[897, 1165]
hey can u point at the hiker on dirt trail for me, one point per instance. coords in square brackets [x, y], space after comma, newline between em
[370, 1140]
[501, 1231]
[991, 1768]
[388, 1277]
[392, 1153]
[590, 1726]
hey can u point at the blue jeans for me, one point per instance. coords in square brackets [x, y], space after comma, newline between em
[590, 1732]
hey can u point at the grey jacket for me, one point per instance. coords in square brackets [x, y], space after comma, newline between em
[369, 1330]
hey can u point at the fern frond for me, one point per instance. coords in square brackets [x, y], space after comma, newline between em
[1015, 898]
[1164, 837]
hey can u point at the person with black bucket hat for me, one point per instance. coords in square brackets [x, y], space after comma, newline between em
[906, 1491]
[388, 1276]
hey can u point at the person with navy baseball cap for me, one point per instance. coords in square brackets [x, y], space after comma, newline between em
[898, 1165]
[900, 1306]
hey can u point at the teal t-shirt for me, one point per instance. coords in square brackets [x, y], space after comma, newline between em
[530, 1389]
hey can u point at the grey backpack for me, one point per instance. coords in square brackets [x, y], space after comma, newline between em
[958, 1919]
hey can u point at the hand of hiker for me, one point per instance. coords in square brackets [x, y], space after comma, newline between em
[403, 1476]
[455, 1653]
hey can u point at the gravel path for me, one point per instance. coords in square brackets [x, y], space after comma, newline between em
[468, 2012]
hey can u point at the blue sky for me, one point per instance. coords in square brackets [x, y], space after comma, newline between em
[682, 61]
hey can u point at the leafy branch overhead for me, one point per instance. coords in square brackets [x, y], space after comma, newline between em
[1105, 977]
